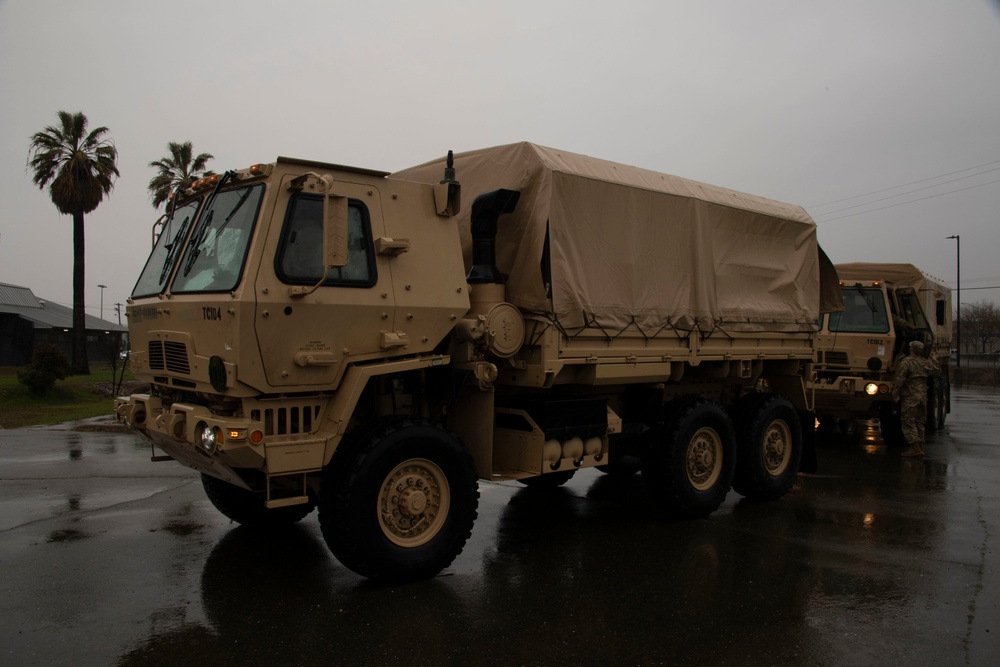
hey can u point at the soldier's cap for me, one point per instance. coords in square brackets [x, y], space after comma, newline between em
[916, 346]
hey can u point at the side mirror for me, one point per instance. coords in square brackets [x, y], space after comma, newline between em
[334, 230]
[334, 216]
[447, 198]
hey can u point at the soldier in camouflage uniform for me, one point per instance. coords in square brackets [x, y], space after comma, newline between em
[909, 389]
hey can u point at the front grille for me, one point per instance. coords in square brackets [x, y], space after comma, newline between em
[287, 420]
[836, 358]
[168, 355]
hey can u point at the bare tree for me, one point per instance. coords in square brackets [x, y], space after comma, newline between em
[981, 326]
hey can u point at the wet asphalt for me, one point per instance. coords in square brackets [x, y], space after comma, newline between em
[110, 559]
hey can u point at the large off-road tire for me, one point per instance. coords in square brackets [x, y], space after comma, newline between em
[550, 480]
[624, 456]
[398, 500]
[768, 446]
[247, 507]
[933, 404]
[943, 404]
[890, 426]
[937, 405]
[689, 466]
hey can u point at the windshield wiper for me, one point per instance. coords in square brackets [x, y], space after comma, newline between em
[193, 249]
[243, 198]
[172, 247]
[869, 301]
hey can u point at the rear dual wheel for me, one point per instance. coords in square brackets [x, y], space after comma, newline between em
[689, 465]
[769, 446]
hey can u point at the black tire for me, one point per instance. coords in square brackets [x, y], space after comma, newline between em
[247, 507]
[890, 426]
[398, 500]
[625, 449]
[550, 480]
[688, 469]
[623, 467]
[943, 404]
[768, 447]
[933, 406]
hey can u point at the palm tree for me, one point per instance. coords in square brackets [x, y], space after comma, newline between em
[79, 169]
[178, 169]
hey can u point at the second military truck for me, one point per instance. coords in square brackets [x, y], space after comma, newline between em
[376, 343]
[886, 305]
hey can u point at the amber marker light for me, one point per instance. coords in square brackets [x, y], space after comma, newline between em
[236, 434]
[257, 169]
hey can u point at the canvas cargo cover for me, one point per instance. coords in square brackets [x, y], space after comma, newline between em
[902, 275]
[596, 243]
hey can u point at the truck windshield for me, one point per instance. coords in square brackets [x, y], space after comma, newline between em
[864, 312]
[213, 258]
[166, 250]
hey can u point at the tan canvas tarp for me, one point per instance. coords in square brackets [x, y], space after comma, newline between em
[902, 275]
[635, 248]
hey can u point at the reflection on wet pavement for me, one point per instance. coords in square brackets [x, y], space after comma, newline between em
[872, 559]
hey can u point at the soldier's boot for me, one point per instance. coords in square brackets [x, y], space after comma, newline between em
[914, 451]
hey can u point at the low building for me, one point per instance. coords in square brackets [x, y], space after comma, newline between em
[27, 321]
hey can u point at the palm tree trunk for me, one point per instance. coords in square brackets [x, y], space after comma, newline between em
[79, 363]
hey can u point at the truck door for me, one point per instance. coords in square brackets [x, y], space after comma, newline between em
[910, 310]
[311, 321]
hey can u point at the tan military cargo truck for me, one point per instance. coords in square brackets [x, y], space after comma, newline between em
[373, 344]
[886, 305]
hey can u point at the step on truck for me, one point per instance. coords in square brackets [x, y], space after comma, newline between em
[375, 344]
[886, 305]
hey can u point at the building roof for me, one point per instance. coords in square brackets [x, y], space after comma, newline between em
[43, 314]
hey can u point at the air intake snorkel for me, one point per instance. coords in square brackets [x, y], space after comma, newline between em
[485, 211]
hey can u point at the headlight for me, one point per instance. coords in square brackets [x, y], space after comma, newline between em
[209, 438]
[871, 388]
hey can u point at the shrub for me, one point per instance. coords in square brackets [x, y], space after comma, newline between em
[47, 365]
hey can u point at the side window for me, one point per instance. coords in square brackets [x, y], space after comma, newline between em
[300, 252]
[911, 310]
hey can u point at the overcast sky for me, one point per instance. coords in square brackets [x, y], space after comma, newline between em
[880, 117]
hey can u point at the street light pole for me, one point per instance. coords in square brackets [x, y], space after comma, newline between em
[958, 301]
[103, 287]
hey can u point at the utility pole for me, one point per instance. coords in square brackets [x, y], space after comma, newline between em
[103, 287]
[958, 308]
[118, 309]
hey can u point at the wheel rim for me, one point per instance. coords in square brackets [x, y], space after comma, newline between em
[413, 502]
[777, 447]
[704, 459]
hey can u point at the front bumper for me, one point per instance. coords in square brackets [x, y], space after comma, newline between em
[849, 397]
[176, 430]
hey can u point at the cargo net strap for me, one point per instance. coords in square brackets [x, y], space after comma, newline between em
[718, 327]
